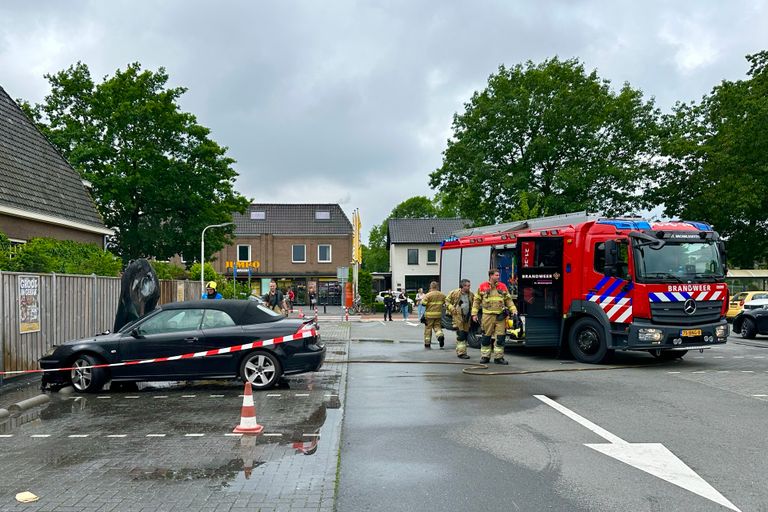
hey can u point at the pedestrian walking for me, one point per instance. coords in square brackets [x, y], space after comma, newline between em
[433, 315]
[402, 299]
[493, 299]
[312, 297]
[210, 291]
[459, 304]
[389, 301]
[291, 298]
[419, 305]
[274, 298]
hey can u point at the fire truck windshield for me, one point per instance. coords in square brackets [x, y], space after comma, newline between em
[678, 261]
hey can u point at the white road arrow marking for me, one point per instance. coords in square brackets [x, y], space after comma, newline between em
[653, 458]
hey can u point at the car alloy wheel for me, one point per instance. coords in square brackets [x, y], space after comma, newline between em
[261, 369]
[84, 378]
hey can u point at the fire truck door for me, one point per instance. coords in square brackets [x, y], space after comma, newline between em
[539, 271]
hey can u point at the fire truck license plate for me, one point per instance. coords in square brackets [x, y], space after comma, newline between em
[690, 333]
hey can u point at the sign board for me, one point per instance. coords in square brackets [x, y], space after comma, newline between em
[243, 264]
[342, 273]
[29, 304]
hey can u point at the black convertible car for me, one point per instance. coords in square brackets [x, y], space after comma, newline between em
[753, 319]
[185, 327]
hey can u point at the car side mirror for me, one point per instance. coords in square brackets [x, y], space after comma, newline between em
[723, 255]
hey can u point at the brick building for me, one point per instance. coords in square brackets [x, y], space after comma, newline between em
[299, 245]
[41, 195]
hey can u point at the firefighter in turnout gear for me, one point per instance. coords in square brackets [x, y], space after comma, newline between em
[459, 304]
[433, 301]
[494, 300]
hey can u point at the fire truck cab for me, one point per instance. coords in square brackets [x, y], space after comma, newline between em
[596, 285]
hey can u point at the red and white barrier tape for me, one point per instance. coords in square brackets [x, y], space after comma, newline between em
[306, 333]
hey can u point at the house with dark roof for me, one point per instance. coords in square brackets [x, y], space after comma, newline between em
[298, 245]
[414, 250]
[41, 195]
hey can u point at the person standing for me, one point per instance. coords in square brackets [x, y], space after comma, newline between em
[210, 291]
[291, 298]
[433, 315]
[312, 297]
[493, 299]
[274, 299]
[459, 304]
[402, 299]
[419, 306]
[389, 301]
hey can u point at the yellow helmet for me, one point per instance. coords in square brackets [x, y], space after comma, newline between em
[211, 284]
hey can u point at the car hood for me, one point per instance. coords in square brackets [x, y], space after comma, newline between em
[98, 338]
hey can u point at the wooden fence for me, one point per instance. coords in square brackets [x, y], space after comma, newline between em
[68, 307]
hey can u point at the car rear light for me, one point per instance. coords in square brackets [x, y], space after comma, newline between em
[741, 303]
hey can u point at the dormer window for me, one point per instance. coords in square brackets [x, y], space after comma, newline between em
[258, 215]
[322, 215]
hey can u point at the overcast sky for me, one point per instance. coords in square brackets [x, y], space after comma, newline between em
[351, 102]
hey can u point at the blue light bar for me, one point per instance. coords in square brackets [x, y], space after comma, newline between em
[626, 224]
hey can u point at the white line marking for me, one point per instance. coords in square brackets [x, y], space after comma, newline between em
[233, 435]
[581, 420]
[118, 435]
[723, 371]
[40, 435]
[311, 435]
[747, 371]
[194, 435]
[758, 357]
[381, 322]
[738, 357]
[652, 458]
[329, 396]
[301, 394]
[216, 396]
[673, 372]
[699, 372]
[6, 435]
[104, 397]
[760, 396]
[78, 435]
[273, 394]
[160, 396]
[132, 397]
[188, 396]
[273, 435]
[155, 435]
[719, 357]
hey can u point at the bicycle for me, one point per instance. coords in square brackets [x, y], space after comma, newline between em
[359, 308]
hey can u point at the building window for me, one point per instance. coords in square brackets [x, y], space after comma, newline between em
[243, 253]
[413, 256]
[299, 253]
[258, 215]
[322, 215]
[323, 253]
[431, 256]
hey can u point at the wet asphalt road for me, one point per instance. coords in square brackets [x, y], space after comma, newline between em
[430, 438]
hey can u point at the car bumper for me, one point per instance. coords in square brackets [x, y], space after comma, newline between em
[53, 378]
[672, 339]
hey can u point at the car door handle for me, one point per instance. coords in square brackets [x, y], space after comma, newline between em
[190, 340]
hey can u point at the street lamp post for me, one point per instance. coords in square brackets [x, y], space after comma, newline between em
[202, 253]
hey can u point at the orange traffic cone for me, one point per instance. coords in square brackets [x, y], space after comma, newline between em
[248, 423]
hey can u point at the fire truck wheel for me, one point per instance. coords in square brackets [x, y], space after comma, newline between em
[748, 329]
[587, 341]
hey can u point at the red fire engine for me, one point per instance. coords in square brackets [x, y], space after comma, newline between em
[597, 285]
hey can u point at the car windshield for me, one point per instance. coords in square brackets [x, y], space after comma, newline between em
[682, 261]
[129, 326]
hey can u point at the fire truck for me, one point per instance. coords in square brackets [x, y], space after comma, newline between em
[597, 285]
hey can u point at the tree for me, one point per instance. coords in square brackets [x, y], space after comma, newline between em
[158, 178]
[715, 163]
[46, 255]
[547, 138]
[417, 207]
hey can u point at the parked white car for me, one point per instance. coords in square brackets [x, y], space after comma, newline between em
[380, 298]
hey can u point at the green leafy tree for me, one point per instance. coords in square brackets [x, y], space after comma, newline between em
[46, 255]
[715, 163]
[417, 207]
[158, 178]
[548, 138]
[5, 248]
[166, 270]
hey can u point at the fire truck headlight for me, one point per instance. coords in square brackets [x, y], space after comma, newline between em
[721, 331]
[652, 335]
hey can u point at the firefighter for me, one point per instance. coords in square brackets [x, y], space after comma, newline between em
[459, 304]
[494, 300]
[433, 315]
[210, 291]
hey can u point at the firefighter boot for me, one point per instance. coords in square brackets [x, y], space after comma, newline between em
[485, 349]
[441, 339]
[498, 351]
